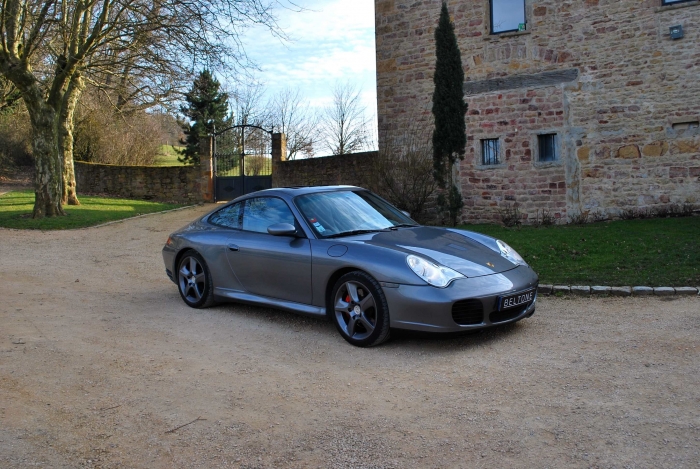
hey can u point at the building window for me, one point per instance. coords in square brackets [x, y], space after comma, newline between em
[685, 125]
[490, 148]
[507, 15]
[671, 2]
[547, 147]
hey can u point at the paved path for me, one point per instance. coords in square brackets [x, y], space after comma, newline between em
[100, 363]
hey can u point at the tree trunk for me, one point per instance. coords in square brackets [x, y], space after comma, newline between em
[48, 168]
[65, 140]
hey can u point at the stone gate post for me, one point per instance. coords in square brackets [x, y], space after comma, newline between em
[279, 154]
[206, 165]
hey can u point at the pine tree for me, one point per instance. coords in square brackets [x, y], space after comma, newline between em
[449, 109]
[206, 111]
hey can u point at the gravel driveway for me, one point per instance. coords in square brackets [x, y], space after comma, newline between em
[101, 362]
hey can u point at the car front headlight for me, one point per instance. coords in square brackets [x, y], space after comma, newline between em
[436, 275]
[510, 253]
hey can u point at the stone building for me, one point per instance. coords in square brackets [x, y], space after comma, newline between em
[575, 106]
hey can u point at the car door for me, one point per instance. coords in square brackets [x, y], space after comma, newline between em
[228, 223]
[271, 266]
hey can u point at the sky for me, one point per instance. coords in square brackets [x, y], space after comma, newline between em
[332, 41]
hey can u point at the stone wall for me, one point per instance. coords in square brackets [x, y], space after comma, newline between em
[181, 184]
[194, 184]
[622, 97]
[328, 170]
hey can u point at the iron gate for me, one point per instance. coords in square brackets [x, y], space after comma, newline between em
[242, 161]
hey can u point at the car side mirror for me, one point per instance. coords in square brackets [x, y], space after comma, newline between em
[282, 229]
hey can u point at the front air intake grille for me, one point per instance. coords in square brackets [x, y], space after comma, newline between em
[468, 312]
[507, 315]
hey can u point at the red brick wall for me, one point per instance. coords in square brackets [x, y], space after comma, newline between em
[519, 179]
[618, 145]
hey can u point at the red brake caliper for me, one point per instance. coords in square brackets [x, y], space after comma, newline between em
[347, 314]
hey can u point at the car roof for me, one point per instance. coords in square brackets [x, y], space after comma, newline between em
[294, 191]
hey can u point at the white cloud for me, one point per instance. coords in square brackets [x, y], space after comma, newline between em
[331, 41]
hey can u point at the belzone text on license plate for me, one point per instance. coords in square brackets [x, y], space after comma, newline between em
[517, 299]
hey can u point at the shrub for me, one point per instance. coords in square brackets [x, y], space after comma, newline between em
[681, 210]
[580, 218]
[15, 137]
[544, 219]
[510, 215]
[105, 135]
[402, 170]
[665, 211]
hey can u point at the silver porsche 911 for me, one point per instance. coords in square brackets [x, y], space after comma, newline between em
[345, 253]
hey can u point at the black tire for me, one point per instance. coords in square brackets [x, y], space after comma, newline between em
[194, 281]
[359, 310]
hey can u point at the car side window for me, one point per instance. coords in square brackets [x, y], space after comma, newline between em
[228, 217]
[261, 212]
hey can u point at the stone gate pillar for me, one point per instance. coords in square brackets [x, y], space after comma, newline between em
[279, 154]
[206, 165]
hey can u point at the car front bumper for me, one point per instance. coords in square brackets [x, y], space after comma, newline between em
[427, 308]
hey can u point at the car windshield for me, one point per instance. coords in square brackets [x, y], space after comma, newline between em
[343, 213]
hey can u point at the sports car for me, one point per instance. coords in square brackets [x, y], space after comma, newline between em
[345, 253]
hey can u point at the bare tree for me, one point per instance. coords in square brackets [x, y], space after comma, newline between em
[345, 127]
[402, 172]
[248, 105]
[292, 116]
[249, 110]
[48, 46]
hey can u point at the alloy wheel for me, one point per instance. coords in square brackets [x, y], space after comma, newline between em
[355, 310]
[191, 279]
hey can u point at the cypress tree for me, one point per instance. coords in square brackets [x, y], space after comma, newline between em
[206, 110]
[449, 109]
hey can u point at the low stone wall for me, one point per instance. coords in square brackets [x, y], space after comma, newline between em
[328, 170]
[181, 184]
[193, 184]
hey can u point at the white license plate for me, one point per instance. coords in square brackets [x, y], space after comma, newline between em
[517, 299]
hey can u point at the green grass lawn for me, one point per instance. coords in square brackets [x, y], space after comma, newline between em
[167, 156]
[16, 211]
[654, 252]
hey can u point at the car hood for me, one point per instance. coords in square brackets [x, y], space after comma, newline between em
[457, 249]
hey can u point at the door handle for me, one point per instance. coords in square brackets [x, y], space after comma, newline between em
[232, 247]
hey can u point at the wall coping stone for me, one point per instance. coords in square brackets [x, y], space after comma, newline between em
[579, 290]
[600, 290]
[621, 291]
[687, 291]
[642, 291]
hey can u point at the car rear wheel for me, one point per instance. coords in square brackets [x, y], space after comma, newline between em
[194, 281]
[359, 309]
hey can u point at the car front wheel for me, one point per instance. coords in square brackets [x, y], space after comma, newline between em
[359, 309]
[194, 281]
